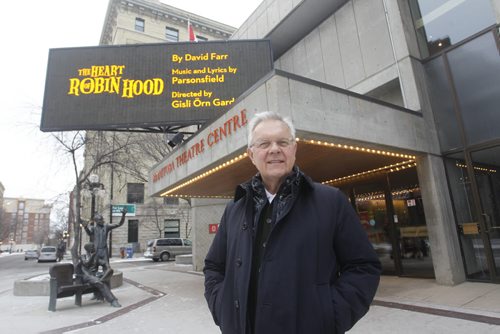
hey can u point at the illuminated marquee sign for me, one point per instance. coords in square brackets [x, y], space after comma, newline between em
[217, 135]
[147, 85]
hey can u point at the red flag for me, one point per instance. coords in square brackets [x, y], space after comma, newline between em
[192, 36]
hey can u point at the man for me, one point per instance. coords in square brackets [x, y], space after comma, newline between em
[99, 235]
[61, 250]
[290, 255]
[86, 269]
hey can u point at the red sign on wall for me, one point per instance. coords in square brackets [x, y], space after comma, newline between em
[212, 228]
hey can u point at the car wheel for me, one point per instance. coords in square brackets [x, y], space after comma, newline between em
[155, 260]
[165, 256]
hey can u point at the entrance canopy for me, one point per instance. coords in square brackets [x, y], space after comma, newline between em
[341, 137]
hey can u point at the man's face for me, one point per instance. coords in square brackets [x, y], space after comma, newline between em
[90, 248]
[99, 220]
[272, 151]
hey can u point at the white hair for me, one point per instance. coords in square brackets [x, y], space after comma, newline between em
[265, 116]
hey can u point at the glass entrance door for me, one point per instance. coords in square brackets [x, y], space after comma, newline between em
[486, 168]
[475, 189]
[391, 211]
[370, 203]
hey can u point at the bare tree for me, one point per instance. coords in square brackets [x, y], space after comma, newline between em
[150, 147]
[127, 154]
[154, 208]
[188, 226]
[40, 237]
[4, 229]
[98, 152]
[59, 226]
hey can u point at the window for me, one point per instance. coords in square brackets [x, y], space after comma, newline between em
[135, 193]
[171, 34]
[133, 230]
[201, 38]
[169, 242]
[172, 228]
[174, 242]
[440, 24]
[161, 242]
[139, 24]
[441, 98]
[476, 68]
[171, 200]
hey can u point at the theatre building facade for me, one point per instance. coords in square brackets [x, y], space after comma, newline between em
[394, 104]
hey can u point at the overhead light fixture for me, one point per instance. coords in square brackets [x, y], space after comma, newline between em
[176, 140]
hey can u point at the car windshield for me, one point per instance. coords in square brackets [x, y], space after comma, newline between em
[48, 250]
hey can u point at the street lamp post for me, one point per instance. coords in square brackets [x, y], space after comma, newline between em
[80, 240]
[93, 188]
[65, 237]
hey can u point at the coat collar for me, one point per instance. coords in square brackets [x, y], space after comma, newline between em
[256, 187]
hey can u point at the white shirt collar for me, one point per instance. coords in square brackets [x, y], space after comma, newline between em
[270, 196]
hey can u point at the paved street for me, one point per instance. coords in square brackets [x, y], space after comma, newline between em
[168, 298]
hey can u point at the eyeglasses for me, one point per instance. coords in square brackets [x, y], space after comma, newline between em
[265, 144]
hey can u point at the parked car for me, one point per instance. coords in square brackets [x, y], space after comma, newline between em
[167, 248]
[48, 253]
[31, 254]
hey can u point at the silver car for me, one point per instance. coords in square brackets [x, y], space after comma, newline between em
[167, 248]
[31, 254]
[48, 253]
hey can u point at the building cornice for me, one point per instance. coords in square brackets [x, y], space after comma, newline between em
[164, 12]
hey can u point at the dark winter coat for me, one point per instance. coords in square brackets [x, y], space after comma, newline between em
[319, 273]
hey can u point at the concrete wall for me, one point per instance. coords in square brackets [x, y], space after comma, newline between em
[359, 48]
[205, 212]
[362, 46]
[265, 17]
[495, 4]
[445, 248]
[334, 113]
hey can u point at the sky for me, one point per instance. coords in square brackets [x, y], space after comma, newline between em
[32, 165]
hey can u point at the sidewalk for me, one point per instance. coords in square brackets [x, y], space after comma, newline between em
[168, 298]
[407, 305]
